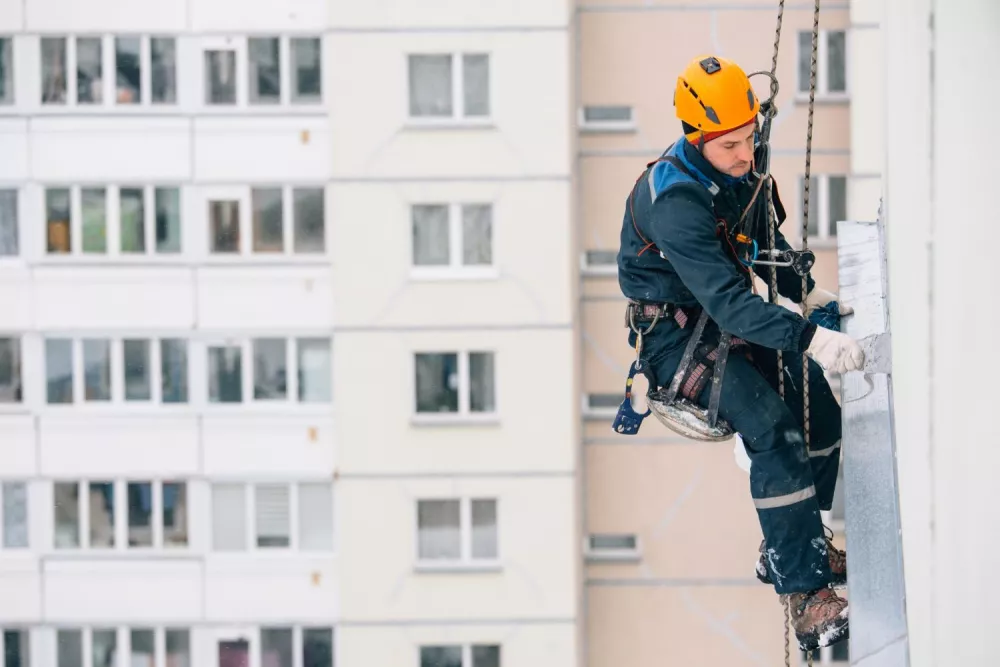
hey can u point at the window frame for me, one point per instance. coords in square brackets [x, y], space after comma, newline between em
[456, 269]
[292, 387]
[458, 117]
[824, 225]
[464, 414]
[606, 126]
[599, 554]
[109, 66]
[112, 224]
[245, 253]
[250, 547]
[594, 269]
[26, 631]
[467, 651]
[120, 543]
[465, 562]
[288, 102]
[592, 412]
[123, 640]
[18, 222]
[822, 94]
[5, 482]
[20, 405]
[117, 402]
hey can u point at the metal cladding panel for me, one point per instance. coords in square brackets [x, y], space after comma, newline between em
[875, 554]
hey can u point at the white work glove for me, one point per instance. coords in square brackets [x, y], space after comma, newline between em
[818, 298]
[835, 352]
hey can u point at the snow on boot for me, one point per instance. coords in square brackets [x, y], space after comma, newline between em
[819, 618]
[838, 563]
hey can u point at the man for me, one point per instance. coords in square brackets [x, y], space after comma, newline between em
[687, 246]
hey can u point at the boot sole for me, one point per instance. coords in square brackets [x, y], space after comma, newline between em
[828, 637]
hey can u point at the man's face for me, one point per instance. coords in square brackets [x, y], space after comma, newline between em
[732, 153]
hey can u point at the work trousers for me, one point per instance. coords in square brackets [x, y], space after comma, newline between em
[788, 483]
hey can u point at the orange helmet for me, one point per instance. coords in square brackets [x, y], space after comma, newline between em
[713, 97]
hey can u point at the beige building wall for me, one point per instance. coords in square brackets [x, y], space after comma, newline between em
[686, 593]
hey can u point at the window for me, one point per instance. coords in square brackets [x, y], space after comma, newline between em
[140, 70]
[317, 647]
[151, 371]
[831, 63]
[601, 406]
[457, 531]
[307, 72]
[264, 54]
[143, 212]
[606, 119]
[456, 383]
[455, 655]
[454, 86]
[9, 234]
[599, 262]
[283, 371]
[272, 523]
[155, 514]
[14, 517]
[11, 390]
[6, 71]
[276, 647]
[16, 647]
[270, 71]
[139, 645]
[224, 219]
[611, 546]
[283, 221]
[225, 374]
[827, 205]
[455, 237]
[220, 77]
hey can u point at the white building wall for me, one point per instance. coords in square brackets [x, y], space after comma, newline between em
[517, 159]
[867, 77]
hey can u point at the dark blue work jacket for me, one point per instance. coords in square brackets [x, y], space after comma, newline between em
[682, 249]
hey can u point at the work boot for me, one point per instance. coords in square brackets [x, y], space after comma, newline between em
[819, 618]
[838, 563]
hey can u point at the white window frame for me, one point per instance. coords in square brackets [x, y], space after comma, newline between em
[4, 482]
[465, 562]
[824, 225]
[123, 640]
[109, 73]
[606, 126]
[245, 344]
[456, 269]
[117, 403]
[597, 554]
[590, 411]
[240, 46]
[246, 254]
[120, 515]
[250, 548]
[464, 413]
[112, 225]
[588, 268]
[458, 118]
[822, 94]
[466, 650]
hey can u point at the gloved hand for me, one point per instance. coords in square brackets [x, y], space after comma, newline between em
[818, 298]
[836, 352]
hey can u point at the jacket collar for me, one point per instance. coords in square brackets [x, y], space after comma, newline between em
[693, 157]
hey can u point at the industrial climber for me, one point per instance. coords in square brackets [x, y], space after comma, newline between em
[693, 226]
